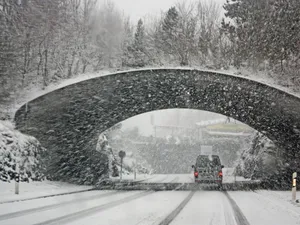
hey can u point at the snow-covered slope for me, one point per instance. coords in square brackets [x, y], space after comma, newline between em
[19, 149]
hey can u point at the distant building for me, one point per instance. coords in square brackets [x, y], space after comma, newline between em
[223, 128]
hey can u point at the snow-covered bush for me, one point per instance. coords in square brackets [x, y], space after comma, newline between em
[22, 150]
[261, 161]
[104, 147]
[130, 141]
[102, 143]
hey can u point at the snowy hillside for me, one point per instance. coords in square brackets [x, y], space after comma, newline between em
[19, 149]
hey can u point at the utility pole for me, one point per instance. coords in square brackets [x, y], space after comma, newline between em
[122, 154]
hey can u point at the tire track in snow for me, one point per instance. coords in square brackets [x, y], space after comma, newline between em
[212, 220]
[74, 216]
[238, 214]
[53, 206]
[228, 212]
[176, 211]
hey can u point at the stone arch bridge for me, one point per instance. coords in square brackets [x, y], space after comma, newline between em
[71, 118]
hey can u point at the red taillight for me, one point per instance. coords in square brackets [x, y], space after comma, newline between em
[220, 174]
[196, 174]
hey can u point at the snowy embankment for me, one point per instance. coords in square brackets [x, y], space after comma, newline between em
[261, 77]
[19, 155]
[37, 190]
[268, 207]
[25, 151]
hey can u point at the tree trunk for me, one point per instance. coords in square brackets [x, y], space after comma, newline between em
[184, 59]
[26, 59]
[76, 67]
[71, 65]
[24, 68]
[40, 60]
[84, 67]
[45, 75]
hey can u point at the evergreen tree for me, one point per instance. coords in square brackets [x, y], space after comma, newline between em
[263, 30]
[127, 56]
[168, 33]
[176, 36]
[249, 18]
[138, 48]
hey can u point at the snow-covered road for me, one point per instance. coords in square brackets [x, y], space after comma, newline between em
[169, 178]
[43, 189]
[228, 177]
[155, 208]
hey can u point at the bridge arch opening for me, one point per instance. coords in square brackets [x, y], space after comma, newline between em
[169, 141]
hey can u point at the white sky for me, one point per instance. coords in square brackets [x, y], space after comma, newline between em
[139, 8]
[169, 117]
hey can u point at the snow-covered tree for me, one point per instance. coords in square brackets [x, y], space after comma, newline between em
[257, 30]
[186, 40]
[264, 161]
[167, 34]
[108, 32]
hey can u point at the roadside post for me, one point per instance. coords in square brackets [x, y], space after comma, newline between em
[17, 180]
[294, 188]
[234, 175]
[122, 154]
[135, 169]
